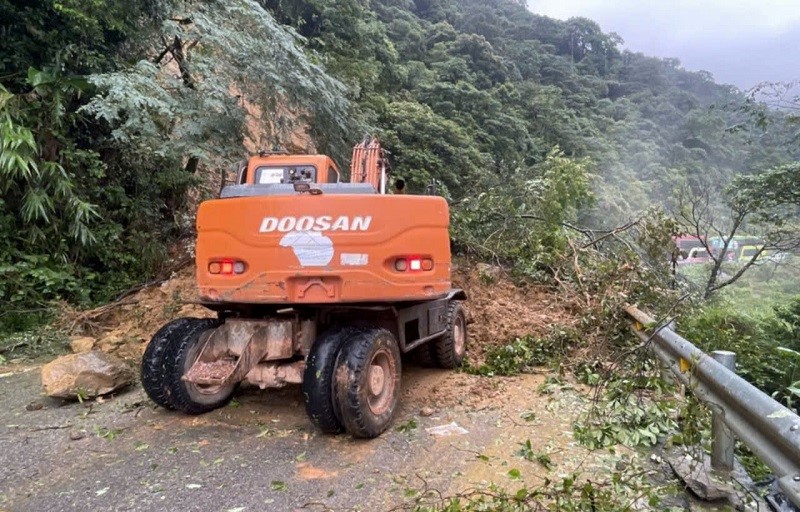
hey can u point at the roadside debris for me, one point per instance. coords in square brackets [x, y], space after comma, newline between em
[85, 375]
[451, 429]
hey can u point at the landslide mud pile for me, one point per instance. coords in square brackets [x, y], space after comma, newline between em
[498, 311]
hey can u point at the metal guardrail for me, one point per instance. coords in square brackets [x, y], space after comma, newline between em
[769, 429]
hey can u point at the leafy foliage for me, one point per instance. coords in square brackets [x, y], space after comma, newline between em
[528, 352]
[98, 156]
[633, 412]
[114, 113]
[522, 219]
[571, 492]
[765, 343]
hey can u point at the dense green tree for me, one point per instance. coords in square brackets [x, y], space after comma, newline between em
[111, 112]
[100, 150]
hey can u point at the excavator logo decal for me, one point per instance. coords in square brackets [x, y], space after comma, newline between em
[309, 223]
[312, 248]
[305, 235]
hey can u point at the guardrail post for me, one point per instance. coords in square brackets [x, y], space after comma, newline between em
[722, 440]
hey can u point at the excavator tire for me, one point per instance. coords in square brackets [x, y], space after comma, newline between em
[367, 382]
[169, 355]
[451, 347]
[318, 387]
[154, 361]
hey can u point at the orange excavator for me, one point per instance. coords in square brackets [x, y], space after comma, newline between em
[315, 282]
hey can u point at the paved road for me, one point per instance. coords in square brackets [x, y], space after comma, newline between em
[262, 453]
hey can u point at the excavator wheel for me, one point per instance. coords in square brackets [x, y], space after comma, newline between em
[155, 362]
[318, 387]
[450, 348]
[367, 382]
[168, 357]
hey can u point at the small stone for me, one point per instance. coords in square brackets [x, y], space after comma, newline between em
[36, 405]
[85, 375]
[82, 344]
[75, 435]
[426, 411]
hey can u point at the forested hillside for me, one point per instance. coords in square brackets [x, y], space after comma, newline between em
[116, 116]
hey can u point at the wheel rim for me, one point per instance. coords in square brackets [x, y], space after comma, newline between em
[381, 374]
[459, 336]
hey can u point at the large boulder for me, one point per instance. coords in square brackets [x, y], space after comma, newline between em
[85, 375]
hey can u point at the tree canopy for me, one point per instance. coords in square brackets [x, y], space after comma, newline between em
[113, 114]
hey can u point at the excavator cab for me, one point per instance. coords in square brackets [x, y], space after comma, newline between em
[275, 168]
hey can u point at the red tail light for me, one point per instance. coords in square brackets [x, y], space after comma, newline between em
[413, 264]
[227, 267]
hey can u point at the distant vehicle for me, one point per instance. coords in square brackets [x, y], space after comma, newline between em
[717, 243]
[684, 244]
[748, 251]
[695, 255]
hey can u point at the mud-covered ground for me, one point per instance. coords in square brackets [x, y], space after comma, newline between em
[262, 453]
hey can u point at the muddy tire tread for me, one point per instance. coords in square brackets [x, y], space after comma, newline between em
[154, 361]
[318, 387]
[444, 346]
[162, 366]
[355, 355]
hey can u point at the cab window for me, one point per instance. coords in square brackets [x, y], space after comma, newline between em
[333, 175]
[241, 173]
[271, 174]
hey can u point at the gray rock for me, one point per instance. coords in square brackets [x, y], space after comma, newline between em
[85, 375]
[736, 488]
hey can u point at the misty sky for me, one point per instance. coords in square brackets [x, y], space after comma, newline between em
[740, 42]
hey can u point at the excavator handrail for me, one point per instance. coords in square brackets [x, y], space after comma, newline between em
[286, 189]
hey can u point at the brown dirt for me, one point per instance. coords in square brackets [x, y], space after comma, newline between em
[125, 328]
[268, 432]
[309, 472]
[498, 310]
